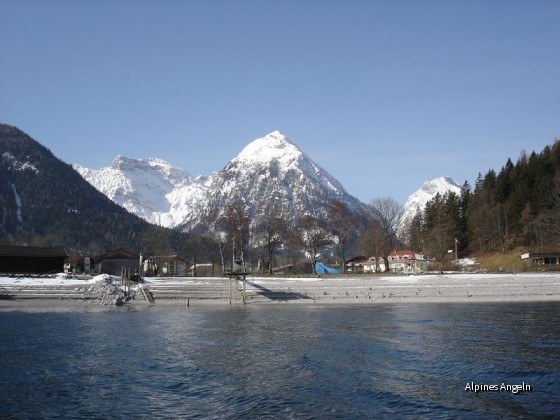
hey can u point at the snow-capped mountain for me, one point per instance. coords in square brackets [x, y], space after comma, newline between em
[272, 169]
[150, 188]
[417, 201]
[269, 169]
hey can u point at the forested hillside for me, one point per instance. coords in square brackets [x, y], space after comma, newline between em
[44, 201]
[518, 206]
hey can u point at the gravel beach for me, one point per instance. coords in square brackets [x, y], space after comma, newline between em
[192, 292]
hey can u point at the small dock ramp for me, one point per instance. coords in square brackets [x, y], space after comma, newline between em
[148, 297]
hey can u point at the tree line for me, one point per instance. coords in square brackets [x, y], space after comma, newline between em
[517, 207]
[261, 244]
[269, 241]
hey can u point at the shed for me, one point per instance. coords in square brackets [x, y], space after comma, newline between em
[543, 258]
[31, 259]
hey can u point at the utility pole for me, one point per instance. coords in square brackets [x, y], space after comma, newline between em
[456, 257]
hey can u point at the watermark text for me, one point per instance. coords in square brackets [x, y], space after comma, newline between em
[503, 387]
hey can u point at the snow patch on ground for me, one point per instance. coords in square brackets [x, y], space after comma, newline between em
[467, 262]
[55, 280]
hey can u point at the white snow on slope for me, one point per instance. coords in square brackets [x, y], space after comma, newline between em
[150, 188]
[17, 165]
[272, 169]
[268, 168]
[273, 146]
[276, 153]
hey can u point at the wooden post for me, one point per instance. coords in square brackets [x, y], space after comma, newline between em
[194, 271]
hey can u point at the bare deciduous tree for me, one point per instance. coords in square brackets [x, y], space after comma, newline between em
[371, 243]
[236, 217]
[386, 214]
[271, 232]
[311, 234]
[217, 235]
[342, 222]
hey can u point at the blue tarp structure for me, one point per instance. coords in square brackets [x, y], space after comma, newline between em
[321, 268]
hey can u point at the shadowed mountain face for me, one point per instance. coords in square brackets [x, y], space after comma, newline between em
[45, 201]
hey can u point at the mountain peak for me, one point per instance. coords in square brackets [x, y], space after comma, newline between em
[276, 135]
[273, 146]
[125, 164]
[441, 184]
[118, 161]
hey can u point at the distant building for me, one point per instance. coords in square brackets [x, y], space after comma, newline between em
[354, 265]
[205, 270]
[115, 261]
[79, 264]
[31, 259]
[404, 261]
[361, 264]
[165, 265]
[374, 265]
[543, 258]
[407, 261]
[172, 265]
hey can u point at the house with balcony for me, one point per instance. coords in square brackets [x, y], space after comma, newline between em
[165, 265]
[401, 261]
[407, 261]
[361, 264]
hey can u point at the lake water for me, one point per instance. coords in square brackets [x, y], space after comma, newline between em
[282, 361]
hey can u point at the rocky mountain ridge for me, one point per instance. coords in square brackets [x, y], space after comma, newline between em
[269, 169]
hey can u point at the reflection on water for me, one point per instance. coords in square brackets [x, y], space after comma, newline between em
[281, 361]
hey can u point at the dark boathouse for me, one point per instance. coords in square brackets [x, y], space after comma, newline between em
[31, 259]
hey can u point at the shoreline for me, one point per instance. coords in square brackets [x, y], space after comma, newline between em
[346, 290]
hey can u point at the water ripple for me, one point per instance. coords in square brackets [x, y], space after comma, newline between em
[281, 361]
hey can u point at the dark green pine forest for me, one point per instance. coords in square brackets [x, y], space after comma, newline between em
[517, 207]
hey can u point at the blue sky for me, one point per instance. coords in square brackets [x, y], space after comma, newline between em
[382, 94]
